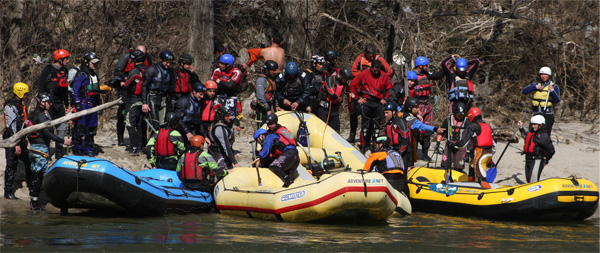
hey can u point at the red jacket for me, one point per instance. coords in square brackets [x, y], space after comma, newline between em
[365, 85]
[361, 64]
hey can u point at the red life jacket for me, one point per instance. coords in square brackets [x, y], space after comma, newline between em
[191, 170]
[60, 78]
[163, 146]
[34, 134]
[182, 82]
[485, 139]
[529, 144]
[395, 132]
[131, 63]
[284, 136]
[208, 110]
[234, 74]
[422, 88]
[338, 89]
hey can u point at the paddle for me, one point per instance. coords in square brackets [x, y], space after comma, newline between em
[449, 162]
[512, 136]
[253, 144]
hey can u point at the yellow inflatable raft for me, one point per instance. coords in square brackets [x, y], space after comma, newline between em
[346, 194]
[323, 141]
[550, 199]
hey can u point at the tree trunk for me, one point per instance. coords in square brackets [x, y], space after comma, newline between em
[300, 23]
[201, 43]
[12, 52]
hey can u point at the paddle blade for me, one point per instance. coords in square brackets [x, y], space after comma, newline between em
[491, 174]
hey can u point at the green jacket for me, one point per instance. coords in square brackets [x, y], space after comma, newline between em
[205, 160]
[174, 137]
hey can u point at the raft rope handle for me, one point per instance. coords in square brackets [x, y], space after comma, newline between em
[362, 174]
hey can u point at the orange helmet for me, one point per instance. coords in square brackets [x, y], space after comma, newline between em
[210, 84]
[473, 112]
[197, 141]
[59, 54]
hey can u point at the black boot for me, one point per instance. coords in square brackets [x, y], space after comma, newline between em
[287, 181]
[351, 138]
[120, 141]
[134, 151]
[10, 195]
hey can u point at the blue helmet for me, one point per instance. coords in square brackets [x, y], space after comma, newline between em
[461, 64]
[390, 106]
[166, 55]
[259, 132]
[411, 75]
[421, 61]
[291, 68]
[227, 59]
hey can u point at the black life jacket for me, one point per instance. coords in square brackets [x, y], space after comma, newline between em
[163, 146]
[162, 79]
[294, 88]
[213, 137]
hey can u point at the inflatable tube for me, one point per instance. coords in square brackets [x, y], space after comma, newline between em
[94, 183]
[349, 194]
[550, 199]
[322, 137]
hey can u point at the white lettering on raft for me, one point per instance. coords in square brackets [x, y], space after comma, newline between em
[368, 181]
[293, 195]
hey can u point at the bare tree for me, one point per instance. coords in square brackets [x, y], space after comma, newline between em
[201, 43]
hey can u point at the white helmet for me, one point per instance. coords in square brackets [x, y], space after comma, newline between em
[538, 119]
[546, 71]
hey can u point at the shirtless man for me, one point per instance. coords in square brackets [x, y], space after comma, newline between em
[274, 53]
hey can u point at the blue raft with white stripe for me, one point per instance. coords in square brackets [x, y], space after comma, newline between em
[95, 183]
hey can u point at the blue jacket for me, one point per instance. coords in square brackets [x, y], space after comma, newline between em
[269, 146]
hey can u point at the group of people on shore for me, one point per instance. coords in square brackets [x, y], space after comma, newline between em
[183, 113]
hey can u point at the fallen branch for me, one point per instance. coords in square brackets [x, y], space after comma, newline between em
[13, 140]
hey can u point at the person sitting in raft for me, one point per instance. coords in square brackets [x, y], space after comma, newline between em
[480, 135]
[388, 162]
[538, 147]
[279, 154]
[197, 169]
[166, 145]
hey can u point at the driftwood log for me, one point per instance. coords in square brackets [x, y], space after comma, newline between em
[13, 140]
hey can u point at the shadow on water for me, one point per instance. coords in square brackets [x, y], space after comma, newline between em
[50, 231]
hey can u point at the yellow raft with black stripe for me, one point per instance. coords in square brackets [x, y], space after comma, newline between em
[363, 195]
[324, 143]
[549, 199]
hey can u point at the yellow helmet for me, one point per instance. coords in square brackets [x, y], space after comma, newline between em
[20, 89]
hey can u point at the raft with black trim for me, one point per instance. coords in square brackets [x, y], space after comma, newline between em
[365, 195]
[324, 142]
[95, 183]
[550, 199]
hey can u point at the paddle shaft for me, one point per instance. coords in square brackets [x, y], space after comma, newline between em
[508, 143]
[253, 144]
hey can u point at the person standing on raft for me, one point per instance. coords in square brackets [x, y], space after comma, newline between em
[538, 147]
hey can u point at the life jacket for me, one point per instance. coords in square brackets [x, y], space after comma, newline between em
[160, 82]
[462, 90]
[34, 134]
[138, 80]
[182, 81]
[92, 89]
[21, 117]
[385, 162]
[286, 138]
[455, 128]
[539, 97]
[316, 80]
[395, 132]
[59, 77]
[529, 144]
[269, 90]
[329, 71]
[364, 62]
[226, 77]
[213, 136]
[193, 112]
[295, 88]
[335, 88]
[191, 170]
[163, 146]
[131, 64]
[422, 88]
[485, 139]
[208, 110]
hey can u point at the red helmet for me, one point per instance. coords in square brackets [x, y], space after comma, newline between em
[197, 141]
[59, 54]
[210, 84]
[473, 112]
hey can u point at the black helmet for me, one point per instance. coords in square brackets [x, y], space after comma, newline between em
[198, 87]
[410, 103]
[459, 108]
[346, 74]
[43, 97]
[138, 56]
[270, 65]
[383, 140]
[171, 119]
[391, 106]
[272, 119]
[90, 57]
[166, 55]
[186, 59]
[331, 55]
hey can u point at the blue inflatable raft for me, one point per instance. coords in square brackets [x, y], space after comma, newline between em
[94, 183]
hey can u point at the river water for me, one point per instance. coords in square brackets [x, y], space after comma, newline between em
[49, 231]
